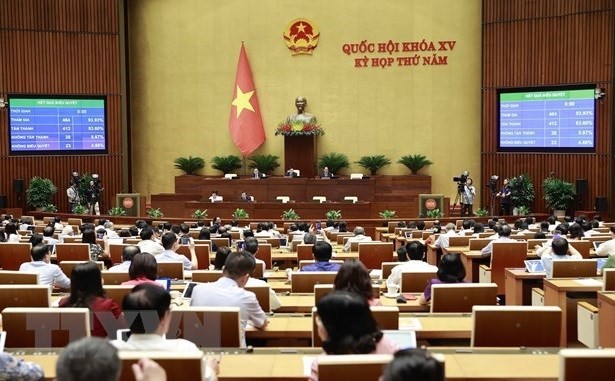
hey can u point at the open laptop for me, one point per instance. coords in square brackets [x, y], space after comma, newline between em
[187, 294]
[597, 244]
[405, 339]
[164, 282]
[534, 266]
[408, 233]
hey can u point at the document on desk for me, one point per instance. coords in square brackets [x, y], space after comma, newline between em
[589, 282]
[410, 324]
[307, 364]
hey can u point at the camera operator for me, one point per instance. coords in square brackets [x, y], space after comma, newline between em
[467, 198]
[73, 196]
[75, 179]
[93, 195]
[504, 194]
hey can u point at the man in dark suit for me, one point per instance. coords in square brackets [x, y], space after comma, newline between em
[326, 174]
[291, 173]
[258, 175]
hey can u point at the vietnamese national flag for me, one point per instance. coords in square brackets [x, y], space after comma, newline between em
[245, 123]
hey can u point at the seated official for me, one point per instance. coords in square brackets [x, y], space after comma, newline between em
[215, 197]
[414, 364]
[608, 247]
[245, 197]
[228, 291]
[442, 241]
[170, 244]
[143, 269]
[251, 246]
[359, 236]
[291, 173]
[128, 252]
[503, 236]
[326, 174]
[559, 250]
[450, 270]
[148, 242]
[48, 273]
[322, 252]
[256, 174]
[354, 277]
[412, 261]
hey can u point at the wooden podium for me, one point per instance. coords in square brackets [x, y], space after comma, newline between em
[300, 153]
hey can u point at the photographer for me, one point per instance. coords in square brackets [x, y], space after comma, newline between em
[504, 193]
[467, 198]
[93, 195]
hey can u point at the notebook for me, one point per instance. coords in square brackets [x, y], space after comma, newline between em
[534, 266]
[188, 290]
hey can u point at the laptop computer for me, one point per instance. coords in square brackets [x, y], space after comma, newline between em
[187, 294]
[597, 244]
[408, 233]
[534, 266]
[405, 339]
[164, 282]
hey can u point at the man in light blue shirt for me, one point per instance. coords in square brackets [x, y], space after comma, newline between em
[559, 250]
[170, 244]
[47, 273]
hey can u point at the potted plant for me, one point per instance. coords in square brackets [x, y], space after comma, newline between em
[50, 208]
[558, 194]
[387, 214]
[265, 163]
[334, 161]
[373, 163]
[522, 192]
[291, 127]
[40, 191]
[523, 211]
[290, 214]
[240, 214]
[155, 213]
[334, 215]
[190, 165]
[435, 213]
[117, 211]
[226, 164]
[414, 162]
[482, 212]
[80, 209]
[200, 214]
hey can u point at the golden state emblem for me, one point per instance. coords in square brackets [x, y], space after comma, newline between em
[301, 36]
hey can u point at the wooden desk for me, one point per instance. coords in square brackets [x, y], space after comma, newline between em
[303, 303]
[565, 293]
[606, 313]
[519, 284]
[472, 259]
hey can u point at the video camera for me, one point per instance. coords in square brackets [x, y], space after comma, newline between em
[461, 180]
[75, 179]
[493, 183]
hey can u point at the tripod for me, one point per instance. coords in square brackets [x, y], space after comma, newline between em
[458, 199]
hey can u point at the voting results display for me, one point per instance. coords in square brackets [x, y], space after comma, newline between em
[56, 125]
[547, 120]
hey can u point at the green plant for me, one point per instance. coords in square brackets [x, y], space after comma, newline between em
[240, 214]
[558, 193]
[264, 163]
[117, 211]
[522, 194]
[84, 187]
[155, 213]
[334, 161]
[482, 212]
[373, 163]
[80, 209]
[333, 215]
[189, 164]
[226, 164]
[290, 214]
[435, 213]
[523, 210]
[50, 208]
[200, 214]
[40, 191]
[414, 162]
[387, 214]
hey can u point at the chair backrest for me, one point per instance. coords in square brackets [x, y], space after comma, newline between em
[459, 240]
[210, 327]
[387, 267]
[478, 243]
[262, 295]
[173, 270]
[391, 225]
[608, 277]
[15, 295]
[18, 277]
[531, 243]
[44, 327]
[113, 278]
[304, 252]
[72, 252]
[461, 297]
[13, 254]
[372, 254]
[71, 240]
[387, 317]
[516, 326]
[340, 237]
[202, 254]
[206, 276]
[115, 252]
[185, 365]
[583, 247]
[352, 367]
[221, 241]
[74, 221]
[413, 281]
[321, 290]
[306, 262]
[117, 292]
[506, 255]
[574, 268]
[586, 364]
[274, 242]
[68, 266]
[304, 281]
[264, 254]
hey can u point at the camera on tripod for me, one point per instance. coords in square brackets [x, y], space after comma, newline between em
[493, 183]
[461, 181]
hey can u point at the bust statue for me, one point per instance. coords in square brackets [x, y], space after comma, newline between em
[301, 115]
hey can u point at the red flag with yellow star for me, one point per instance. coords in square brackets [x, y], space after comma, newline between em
[245, 123]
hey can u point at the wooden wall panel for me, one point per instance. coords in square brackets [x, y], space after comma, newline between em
[65, 47]
[546, 43]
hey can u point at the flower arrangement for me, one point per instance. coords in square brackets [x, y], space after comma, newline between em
[298, 128]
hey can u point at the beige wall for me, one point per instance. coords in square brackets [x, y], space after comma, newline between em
[183, 58]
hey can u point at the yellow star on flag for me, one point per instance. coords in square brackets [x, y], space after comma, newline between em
[242, 101]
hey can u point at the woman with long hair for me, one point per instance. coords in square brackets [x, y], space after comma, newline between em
[354, 277]
[96, 251]
[86, 291]
[143, 269]
[450, 270]
[221, 256]
[346, 326]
